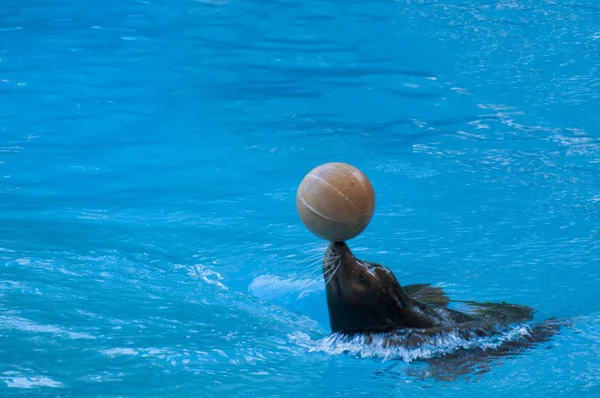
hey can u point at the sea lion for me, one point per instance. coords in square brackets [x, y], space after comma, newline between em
[366, 298]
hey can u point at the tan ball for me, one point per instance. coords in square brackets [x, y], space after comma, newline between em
[335, 201]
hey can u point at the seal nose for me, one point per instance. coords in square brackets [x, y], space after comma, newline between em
[339, 248]
[334, 253]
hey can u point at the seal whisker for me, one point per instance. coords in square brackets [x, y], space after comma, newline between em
[332, 274]
[314, 271]
[311, 265]
[313, 255]
[310, 259]
[330, 271]
[329, 265]
[316, 262]
[331, 258]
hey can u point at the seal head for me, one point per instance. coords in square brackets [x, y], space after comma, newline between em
[367, 297]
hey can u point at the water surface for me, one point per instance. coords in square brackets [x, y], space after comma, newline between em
[149, 157]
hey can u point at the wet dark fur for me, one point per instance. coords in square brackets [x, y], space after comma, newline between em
[366, 298]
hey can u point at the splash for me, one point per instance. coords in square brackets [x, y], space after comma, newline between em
[378, 346]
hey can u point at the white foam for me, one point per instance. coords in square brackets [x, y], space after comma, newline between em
[377, 348]
[30, 382]
[113, 352]
[205, 273]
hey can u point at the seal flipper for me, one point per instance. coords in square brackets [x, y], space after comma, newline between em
[501, 313]
[427, 294]
[475, 362]
[498, 312]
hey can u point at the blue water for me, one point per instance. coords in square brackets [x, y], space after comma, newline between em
[150, 153]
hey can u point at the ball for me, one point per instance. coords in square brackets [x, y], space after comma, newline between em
[335, 201]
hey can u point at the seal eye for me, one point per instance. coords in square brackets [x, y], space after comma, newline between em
[363, 280]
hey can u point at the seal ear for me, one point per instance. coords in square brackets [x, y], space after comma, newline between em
[428, 294]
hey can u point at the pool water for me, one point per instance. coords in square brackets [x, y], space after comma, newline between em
[150, 152]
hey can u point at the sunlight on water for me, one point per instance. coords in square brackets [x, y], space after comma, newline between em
[29, 382]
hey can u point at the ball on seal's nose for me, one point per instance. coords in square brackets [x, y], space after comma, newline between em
[335, 201]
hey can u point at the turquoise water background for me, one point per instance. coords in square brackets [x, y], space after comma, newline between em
[150, 153]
